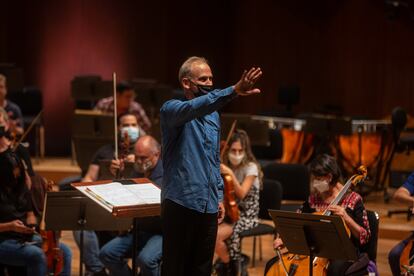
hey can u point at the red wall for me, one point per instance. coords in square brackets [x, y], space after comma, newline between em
[340, 52]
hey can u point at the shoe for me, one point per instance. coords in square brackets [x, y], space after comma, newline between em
[234, 268]
[220, 268]
[245, 260]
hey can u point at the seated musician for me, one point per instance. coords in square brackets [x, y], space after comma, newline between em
[20, 244]
[125, 95]
[127, 123]
[115, 253]
[12, 109]
[404, 194]
[325, 187]
[241, 165]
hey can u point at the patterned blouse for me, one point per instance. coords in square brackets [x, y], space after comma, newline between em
[107, 105]
[352, 202]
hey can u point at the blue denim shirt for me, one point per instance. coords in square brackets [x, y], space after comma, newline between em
[409, 184]
[191, 145]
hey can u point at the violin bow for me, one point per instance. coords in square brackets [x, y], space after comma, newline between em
[233, 126]
[115, 116]
[27, 130]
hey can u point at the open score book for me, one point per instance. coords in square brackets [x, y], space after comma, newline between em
[116, 197]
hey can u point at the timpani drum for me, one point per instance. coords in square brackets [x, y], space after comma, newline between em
[366, 145]
[297, 145]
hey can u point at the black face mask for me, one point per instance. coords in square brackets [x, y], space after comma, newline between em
[202, 89]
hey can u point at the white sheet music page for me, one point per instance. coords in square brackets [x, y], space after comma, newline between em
[116, 194]
[149, 193]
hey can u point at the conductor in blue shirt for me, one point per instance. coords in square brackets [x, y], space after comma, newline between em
[192, 190]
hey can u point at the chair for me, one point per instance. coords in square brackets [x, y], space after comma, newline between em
[270, 198]
[371, 247]
[7, 270]
[294, 179]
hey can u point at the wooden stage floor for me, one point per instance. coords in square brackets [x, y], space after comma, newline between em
[391, 229]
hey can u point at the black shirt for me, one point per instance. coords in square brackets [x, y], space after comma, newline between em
[15, 198]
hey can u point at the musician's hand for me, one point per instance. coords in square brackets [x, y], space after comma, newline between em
[225, 170]
[130, 158]
[339, 211]
[278, 243]
[244, 87]
[19, 227]
[115, 166]
[221, 212]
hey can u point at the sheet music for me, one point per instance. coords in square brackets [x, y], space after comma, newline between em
[149, 193]
[116, 194]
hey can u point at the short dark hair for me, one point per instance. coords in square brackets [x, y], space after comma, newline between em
[120, 116]
[325, 164]
[123, 86]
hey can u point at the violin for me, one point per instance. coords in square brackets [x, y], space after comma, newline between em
[293, 264]
[50, 241]
[230, 204]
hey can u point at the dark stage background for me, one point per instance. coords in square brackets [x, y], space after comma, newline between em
[341, 53]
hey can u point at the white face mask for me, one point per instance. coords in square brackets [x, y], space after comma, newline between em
[133, 133]
[236, 159]
[143, 167]
[320, 185]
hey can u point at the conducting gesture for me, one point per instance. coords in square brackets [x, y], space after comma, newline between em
[244, 87]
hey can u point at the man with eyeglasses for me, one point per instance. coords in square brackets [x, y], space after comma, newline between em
[115, 253]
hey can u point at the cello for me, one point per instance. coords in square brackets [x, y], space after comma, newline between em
[230, 204]
[293, 264]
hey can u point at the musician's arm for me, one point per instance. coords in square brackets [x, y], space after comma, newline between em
[403, 195]
[92, 174]
[354, 227]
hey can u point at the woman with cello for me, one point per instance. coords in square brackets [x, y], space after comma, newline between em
[326, 186]
[245, 173]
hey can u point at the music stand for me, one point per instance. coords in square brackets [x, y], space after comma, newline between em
[71, 210]
[314, 236]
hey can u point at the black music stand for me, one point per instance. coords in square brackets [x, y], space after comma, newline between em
[314, 236]
[71, 210]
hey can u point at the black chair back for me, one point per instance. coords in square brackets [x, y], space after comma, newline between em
[270, 197]
[371, 247]
[293, 177]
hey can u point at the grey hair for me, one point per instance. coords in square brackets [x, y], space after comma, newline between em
[185, 69]
[152, 143]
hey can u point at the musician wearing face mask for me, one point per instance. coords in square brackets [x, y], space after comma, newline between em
[115, 253]
[241, 165]
[20, 244]
[325, 187]
[128, 130]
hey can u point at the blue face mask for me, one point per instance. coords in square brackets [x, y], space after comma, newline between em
[133, 133]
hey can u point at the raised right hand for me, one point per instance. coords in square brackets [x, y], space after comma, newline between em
[19, 227]
[245, 86]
